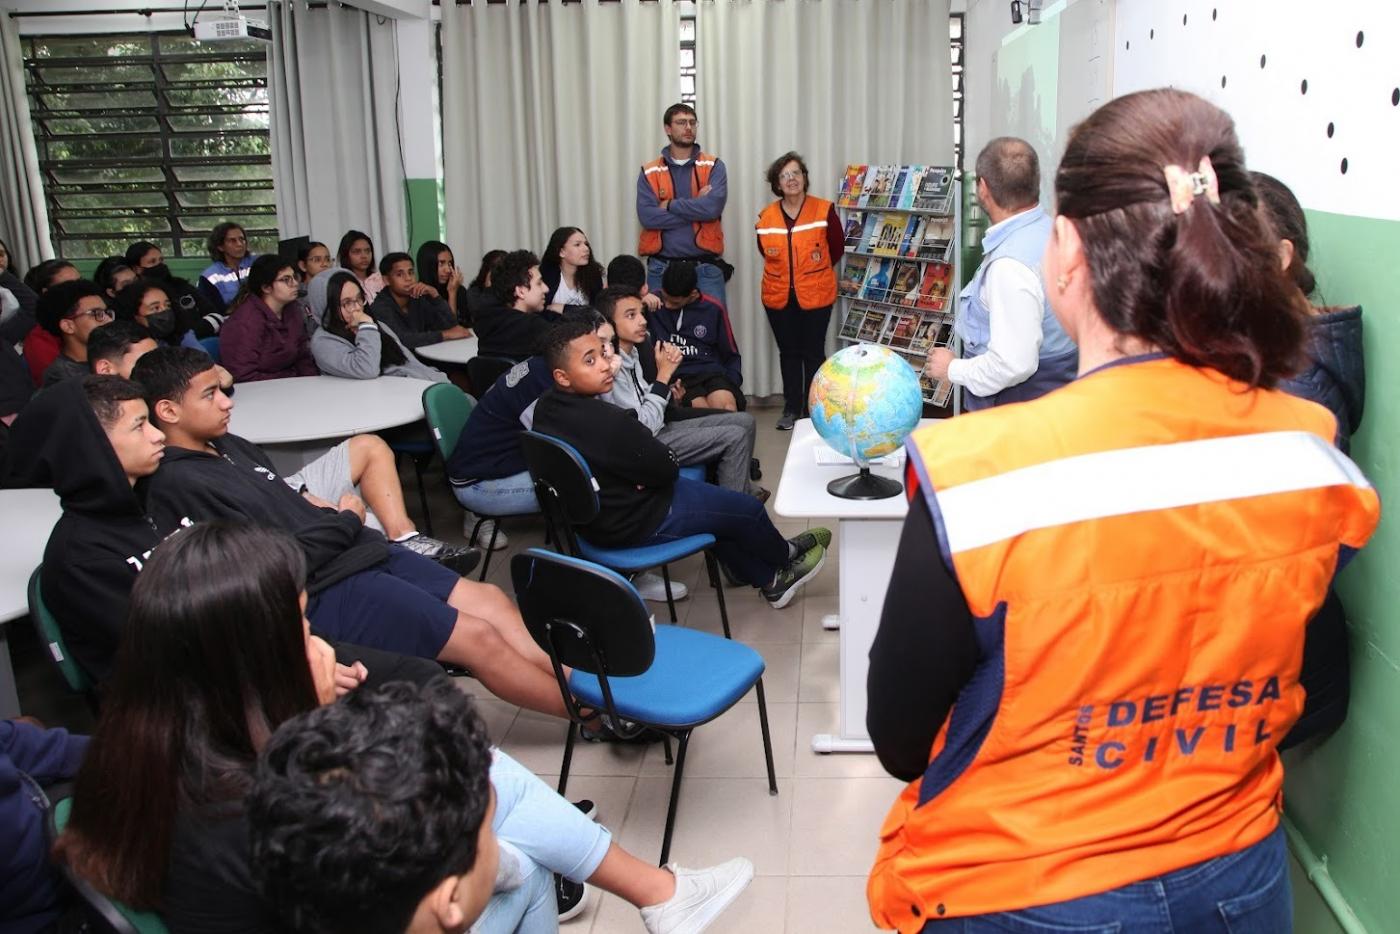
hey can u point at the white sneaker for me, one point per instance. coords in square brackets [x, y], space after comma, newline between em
[701, 897]
[653, 588]
[483, 535]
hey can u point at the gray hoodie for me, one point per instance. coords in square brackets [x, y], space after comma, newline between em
[337, 356]
[631, 390]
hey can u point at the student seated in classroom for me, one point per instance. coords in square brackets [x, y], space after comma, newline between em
[515, 327]
[364, 589]
[113, 349]
[350, 343]
[96, 445]
[70, 312]
[711, 370]
[724, 438]
[265, 334]
[643, 500]
[413, 310]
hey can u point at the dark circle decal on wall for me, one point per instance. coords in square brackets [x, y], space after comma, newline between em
[1128, 45]
[1344, 166]
[1222, 81]
[1183, 19]
[1152, 34]
[1262, 60]
[1213, 14]
[1331, 128]
[1395, 97]
[1304, 87]
[1360, 38]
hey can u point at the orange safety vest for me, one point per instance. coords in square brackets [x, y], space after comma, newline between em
[1141, 551]
[709, 235]
[803, 249]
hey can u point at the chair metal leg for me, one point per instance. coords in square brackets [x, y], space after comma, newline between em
[670, 601]
[684, 740]
[418, 465]
[666, 748]
[712, 565]
[568, 757]
[490, 546]
[767, 739]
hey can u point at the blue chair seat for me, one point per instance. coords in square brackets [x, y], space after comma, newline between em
[641, 557]
[696, 677]
[694, 472]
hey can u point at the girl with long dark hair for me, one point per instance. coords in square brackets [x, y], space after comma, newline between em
[568, 267]
[265, 336]
[356, 253]
[438, 267]
[350, 343]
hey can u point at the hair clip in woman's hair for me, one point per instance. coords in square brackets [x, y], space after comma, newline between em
[1184, 186]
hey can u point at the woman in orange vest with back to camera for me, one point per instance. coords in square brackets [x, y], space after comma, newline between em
[800, 240]
[1092, 635]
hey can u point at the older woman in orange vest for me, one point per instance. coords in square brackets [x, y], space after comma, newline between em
[800, 240]
[1092, 636]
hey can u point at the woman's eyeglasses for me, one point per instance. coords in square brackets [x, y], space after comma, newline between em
[350, 304]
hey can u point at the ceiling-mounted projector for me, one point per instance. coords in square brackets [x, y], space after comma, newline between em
[229, 28]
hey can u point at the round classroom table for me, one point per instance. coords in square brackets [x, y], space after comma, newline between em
[26, 519]
[455, 351]
[298, 419]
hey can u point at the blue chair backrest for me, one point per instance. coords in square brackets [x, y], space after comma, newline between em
[211, 347]
[585, 615]
[562, 475]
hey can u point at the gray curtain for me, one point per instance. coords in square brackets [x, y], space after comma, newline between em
[23, 213]
[336, 161]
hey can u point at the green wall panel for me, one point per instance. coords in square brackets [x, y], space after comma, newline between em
[423, 207]
[1342, 793]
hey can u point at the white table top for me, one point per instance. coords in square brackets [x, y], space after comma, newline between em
[802, 488]
[454, 351]
[315, 408]
[26, 519]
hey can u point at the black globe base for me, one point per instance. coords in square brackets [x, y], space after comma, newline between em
[864, 485]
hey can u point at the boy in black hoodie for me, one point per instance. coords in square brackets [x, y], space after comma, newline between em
[91, 440]
[361, 587]
[643, 499]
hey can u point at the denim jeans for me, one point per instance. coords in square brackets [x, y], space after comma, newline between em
[1246, 892]
[528, 908]
[504, 496]
[540, 823]
[746, 540]
[710, 279]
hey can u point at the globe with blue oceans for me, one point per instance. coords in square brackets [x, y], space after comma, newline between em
[865, 401]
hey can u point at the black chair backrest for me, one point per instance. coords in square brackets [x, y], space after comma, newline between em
[583, 614]
[564, 485]
[482, 372]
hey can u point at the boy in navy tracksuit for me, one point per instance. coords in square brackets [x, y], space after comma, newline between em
[712, 370]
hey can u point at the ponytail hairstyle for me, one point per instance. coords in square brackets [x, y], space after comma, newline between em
[1203, 285]
[1285, 216]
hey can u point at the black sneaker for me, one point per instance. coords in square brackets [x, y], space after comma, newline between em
[755, 470]
[460, 559]
[571, 897]
[791, 578]
[587, 808]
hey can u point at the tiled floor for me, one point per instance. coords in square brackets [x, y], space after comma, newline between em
[811, 845]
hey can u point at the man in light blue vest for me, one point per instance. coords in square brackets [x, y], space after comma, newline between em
[1013, 349]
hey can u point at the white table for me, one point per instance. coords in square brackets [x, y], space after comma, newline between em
[299, 419]
[869, 531]
[26, 519]
[457, 351]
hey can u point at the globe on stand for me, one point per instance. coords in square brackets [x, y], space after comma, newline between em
[865, 401]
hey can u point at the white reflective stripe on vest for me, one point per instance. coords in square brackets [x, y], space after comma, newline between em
[654, 168]
[812, 226]
[783, 230]
[1116, 483]
[772, 230]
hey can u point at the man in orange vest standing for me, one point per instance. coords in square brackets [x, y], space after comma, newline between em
[680, 200]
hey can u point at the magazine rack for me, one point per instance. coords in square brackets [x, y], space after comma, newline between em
[898, 282]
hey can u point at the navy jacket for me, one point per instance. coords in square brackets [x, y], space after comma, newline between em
[1336, 377]
[702, 331]
[489, 446]
[30, 759]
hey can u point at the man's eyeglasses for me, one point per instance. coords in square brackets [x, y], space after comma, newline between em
[97, 314]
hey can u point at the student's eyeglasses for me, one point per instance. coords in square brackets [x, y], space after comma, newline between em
[352, 303]
[97, 314]
[286, 280]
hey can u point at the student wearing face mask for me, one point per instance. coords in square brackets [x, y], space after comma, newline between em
[149, 303]
[199, 315]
